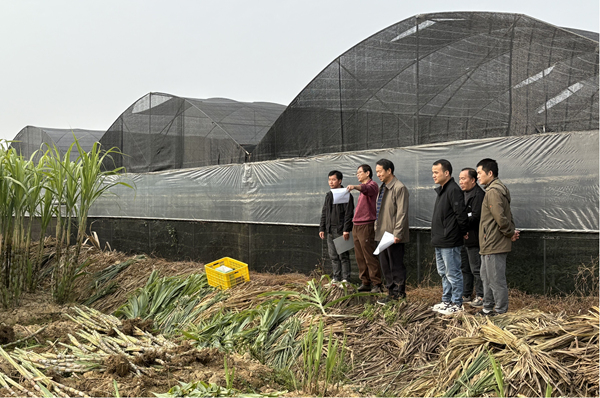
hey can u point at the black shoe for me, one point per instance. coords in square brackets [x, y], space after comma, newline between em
[386, 299]
[377, 289]
[364, 288]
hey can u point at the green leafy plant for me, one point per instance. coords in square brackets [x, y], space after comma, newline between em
[229, 375]
[463, 386]
[172, 302]
[202, 389]
[315, 296]
[369, 312]
[116, 388]
[390, 313]
[498, 375]
[548, 393]
[317, 374]
[260, 330]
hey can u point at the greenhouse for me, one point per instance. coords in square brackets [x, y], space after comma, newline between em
[444, 77]
[31, 139]
[460, 86]
[162, 131]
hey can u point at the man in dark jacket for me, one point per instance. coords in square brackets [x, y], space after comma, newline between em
[449, 224]
[472, 263]
[336, 221]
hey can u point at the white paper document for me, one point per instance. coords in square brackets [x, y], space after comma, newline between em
[342, 245]
[224, 269]
[340, 195]
[386, 241]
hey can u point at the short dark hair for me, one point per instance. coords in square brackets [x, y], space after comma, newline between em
[386, 164]
[367, 169]
[446, 165]
[337, 174]
[488, 165]
[472, 172]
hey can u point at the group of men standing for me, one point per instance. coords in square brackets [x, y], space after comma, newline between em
[471, 230]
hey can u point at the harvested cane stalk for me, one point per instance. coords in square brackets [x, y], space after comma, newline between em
[24, 338]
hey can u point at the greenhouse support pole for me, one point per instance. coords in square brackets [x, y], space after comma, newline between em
[544, 273]
[418, 257]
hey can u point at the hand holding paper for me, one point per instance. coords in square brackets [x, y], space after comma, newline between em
[340, 195]
[386, 241]
[342, 245]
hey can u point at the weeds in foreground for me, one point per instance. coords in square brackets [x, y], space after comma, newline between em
[318, 377]
[202, 389]
[498, 375]
[116, 388]
[229, 375]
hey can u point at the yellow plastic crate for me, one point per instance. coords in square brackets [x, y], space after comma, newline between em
[223, 280]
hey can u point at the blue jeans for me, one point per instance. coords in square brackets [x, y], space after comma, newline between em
[448, 266]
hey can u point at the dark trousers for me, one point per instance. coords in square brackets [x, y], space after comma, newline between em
[470, 267]
[394, 271]
[364, 246]
[340, 263]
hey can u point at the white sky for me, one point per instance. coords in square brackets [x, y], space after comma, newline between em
[81, 63]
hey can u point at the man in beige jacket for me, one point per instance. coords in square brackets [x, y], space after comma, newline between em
[496, 234]
[392, 217]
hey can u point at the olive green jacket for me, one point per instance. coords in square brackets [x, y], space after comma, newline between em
[496, 226]
[393, 214]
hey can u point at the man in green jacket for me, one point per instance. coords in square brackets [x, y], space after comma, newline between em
[392, 217]
[496, 234]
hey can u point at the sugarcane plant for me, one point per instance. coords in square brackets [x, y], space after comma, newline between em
[84, 181]
[47, 185]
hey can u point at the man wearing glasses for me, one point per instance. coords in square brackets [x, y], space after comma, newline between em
[363, 231]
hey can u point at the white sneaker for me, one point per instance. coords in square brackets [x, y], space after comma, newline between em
[334, 282]
[452, 309]
[440, 306]
[477, 302]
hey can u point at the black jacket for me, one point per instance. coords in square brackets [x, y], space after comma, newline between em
[449, 222]
[336, 216]
[473, 201]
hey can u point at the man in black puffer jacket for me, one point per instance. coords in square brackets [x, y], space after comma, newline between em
[472, 263]
[449, 224]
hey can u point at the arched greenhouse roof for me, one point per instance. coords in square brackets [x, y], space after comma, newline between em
[31, 139]
[163, 131]
[443, 77]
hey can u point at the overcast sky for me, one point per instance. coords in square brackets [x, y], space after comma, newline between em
[80, 64]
